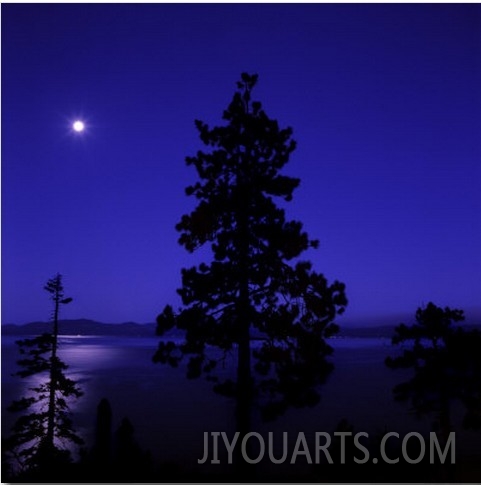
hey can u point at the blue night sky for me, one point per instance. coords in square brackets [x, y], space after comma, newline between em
[384, 100]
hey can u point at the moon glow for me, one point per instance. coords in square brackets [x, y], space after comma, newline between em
[78, 126]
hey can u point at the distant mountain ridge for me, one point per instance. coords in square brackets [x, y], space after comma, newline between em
[130, 329]
[83, 327]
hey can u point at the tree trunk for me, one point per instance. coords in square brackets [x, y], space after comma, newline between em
[444, 431]
[244, 378]
[53, 380]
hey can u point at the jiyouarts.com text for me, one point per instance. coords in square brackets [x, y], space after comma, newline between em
[293, 449]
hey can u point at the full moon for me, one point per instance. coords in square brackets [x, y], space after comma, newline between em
[78, 126]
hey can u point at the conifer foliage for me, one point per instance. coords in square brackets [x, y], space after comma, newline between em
[255, 287]
[445, 361]
[44, 426]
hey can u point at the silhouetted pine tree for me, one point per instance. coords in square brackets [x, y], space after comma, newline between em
[45, 425]
[101, 455]
[446, 360]
[255, 287]
[130, 462]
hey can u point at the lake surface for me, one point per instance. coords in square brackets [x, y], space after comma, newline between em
[170, 413]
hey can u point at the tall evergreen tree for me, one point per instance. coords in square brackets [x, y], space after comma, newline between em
[255, 287]
[45, 423]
